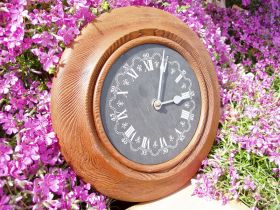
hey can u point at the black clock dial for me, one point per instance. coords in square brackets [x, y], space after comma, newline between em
[150, 104]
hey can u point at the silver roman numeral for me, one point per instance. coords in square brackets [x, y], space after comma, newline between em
[123, 93]
[178, 132]
[188, 94]
[181, 137]
[119, 115]
[130, 132]
[149, 65]
[162, 142]
[122, 115]
[178, 78]
[145, 143]
[131, 72]
[185, 114]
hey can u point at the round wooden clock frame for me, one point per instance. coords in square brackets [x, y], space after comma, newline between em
[75, 104]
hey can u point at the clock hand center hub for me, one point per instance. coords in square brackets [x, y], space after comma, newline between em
[156, 104]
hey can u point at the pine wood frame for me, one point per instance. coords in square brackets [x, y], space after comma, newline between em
[75, 104]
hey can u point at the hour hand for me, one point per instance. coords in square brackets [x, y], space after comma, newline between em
[175, 100]
[178, 99]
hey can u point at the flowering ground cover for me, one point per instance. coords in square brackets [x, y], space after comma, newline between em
[244, 45]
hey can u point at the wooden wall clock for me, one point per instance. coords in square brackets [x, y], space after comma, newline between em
[135, 104]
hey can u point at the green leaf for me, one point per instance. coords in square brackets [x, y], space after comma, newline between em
[276, 85]
[52, 70]
[105, 5]
[182, 8]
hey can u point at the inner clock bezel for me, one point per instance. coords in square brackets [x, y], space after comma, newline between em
[97, 100]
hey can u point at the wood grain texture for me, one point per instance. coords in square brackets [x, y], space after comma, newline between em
[75, 95]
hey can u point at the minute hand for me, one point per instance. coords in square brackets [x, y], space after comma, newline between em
[163, 66]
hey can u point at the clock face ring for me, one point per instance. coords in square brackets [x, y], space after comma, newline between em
[164, 143]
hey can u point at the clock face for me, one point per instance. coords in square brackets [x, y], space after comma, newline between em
[150, 104]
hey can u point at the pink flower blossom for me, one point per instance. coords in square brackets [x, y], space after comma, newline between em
[249, 184]
[246, 2]
[243, 45]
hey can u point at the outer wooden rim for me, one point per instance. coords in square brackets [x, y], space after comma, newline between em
[97, 97]
[72, 104]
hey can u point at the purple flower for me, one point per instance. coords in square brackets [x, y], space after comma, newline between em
[5, 152]
[243, 45]
[49, 59]
[68, 33]
[4, 203]
[246, 2]
[249, 184]
[8, 123]
[97, 200]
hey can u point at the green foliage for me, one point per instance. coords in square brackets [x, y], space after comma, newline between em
[258, 168]
[182, 8]
[276, 85]
[105, 6]
[243, 125]
[30, 68]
